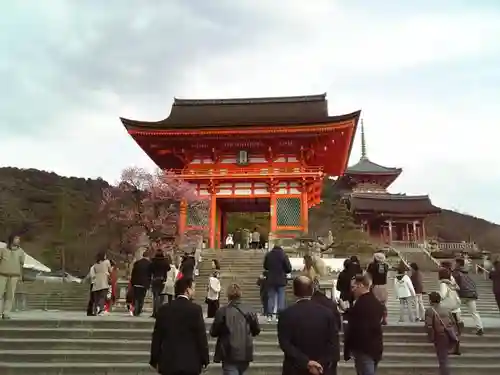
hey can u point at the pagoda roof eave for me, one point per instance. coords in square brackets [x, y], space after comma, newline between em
[392, 203]
[166, 125]
[366, 167]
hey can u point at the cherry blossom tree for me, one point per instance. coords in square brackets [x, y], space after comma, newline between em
[143, 210]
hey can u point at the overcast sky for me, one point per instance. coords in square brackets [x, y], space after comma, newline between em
[426, 76]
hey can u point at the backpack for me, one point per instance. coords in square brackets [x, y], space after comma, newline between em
[467, 286]
[451, 300]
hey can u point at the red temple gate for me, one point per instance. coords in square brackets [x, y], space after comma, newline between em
[261, 154]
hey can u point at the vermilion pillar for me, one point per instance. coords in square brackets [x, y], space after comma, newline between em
[304, 208]
[272, 212]
[182, 219]
[212, 221]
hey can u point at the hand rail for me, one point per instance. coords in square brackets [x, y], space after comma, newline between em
[400, 255]
[485, 272]
[428, 253]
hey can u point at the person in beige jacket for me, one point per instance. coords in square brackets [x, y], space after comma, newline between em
[100, 278]
[11, 269]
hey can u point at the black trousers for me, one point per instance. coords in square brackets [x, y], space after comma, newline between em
[212, 307]
[91, 303]
[139, 295]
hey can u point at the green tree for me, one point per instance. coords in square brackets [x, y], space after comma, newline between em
[348, 239]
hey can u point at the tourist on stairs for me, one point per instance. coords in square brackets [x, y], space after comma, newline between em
[255, 236]
[179, 344]
[234, 326]
[363, 338]
[449, 299]
[111, 295]
[308, 334]
[11, 271]
[495, 278]
[468, 293]
[377, 270]
[188, 265]
[405, 293]
[100, 283]
[441, 331]
[168, 288]
[418, 284]
[264, 299]
[141, 281]
[277, 264]
[159, 268]
[213, 294]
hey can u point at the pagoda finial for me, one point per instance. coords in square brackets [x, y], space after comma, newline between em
[363, 141]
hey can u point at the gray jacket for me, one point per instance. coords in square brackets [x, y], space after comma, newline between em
[235, 326]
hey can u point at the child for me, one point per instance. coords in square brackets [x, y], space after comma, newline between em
[261, 282]
[441, 331]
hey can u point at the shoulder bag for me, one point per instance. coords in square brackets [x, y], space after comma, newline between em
[449, 331]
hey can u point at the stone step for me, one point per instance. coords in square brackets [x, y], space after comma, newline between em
[395, 334]
[121, 368]
[268, 344]
[275, 356]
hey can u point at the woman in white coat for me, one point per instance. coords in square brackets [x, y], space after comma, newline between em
[168, 289]
[405, 292]
[213, 294]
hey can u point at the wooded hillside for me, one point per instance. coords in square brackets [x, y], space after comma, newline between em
[59, 216]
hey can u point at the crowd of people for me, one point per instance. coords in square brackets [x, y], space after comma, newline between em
[308, 330]
[157, 274]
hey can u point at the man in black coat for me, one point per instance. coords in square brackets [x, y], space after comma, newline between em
[141, 281]
[188, 265]
[364, 339]
[158, 269]
[180, 344]
[277, 264]
[308, 334]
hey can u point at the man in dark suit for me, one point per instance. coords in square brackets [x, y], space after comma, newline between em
[277, 264]
[179, 344]
[308, 334]
[363, 338]
[141, 281]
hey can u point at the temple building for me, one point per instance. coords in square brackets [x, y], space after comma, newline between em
[251, 155]
[384, 216]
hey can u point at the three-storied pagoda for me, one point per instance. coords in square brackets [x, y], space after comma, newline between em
[255, 154]
[385, 216]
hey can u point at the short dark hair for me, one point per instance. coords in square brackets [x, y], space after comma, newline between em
[182, 285]
[460, 262]
[216, 264]
[444, 274]
[414, 266]
[446, 264]
[100, 257]
[362, 279]
[434, 297]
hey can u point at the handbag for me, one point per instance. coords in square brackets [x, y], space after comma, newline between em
[449, 331]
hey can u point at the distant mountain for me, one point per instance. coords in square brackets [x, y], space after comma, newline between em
[59, 216]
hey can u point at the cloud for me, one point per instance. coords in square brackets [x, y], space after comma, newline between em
[427, 77]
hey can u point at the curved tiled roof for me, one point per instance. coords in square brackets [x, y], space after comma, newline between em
[366, 166]
[205, 113]
[393, 203]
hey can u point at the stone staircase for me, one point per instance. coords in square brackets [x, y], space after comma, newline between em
[72, 345]
[486, 303]
[240, 266]
[39, 295]
[414, 253]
